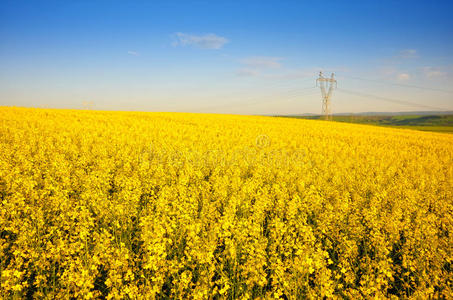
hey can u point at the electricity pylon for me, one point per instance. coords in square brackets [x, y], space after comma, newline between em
[327, 86]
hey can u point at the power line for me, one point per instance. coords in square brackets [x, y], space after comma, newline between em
[391, 100]
[291, 98]
[258, 100]
[282, 83]
[239, 94]
[399, 84]
[299, 92]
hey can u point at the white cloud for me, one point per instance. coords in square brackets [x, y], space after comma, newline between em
[431, 72]
[292, 74]
[207, 41]
[271, 67]
[256, 66]
[248, 72]
[262, 62]
[403, 76]
[133, 53]
[386, 71]
[408, 53]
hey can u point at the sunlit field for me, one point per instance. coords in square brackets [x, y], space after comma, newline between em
[174, 205]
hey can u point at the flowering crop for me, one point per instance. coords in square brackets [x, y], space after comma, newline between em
[171, 205]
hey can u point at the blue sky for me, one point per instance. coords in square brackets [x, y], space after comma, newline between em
[249, 57]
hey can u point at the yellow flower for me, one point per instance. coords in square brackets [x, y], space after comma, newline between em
[172, 205]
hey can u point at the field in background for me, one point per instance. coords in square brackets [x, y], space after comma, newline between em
[196, 206]
[438, 123]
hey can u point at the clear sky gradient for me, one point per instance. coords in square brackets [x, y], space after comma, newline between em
[248, 57]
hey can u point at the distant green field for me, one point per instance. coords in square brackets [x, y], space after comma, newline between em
[438, 123]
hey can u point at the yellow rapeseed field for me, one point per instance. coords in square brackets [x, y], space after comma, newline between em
[201, 206]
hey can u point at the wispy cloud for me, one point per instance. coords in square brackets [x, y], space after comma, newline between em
[262, 62]
[403, 77]
[248, 72]
[408, 53]
[393, 73]
[207, 41]
[271, 67]
[431, 72]
[386, 71]
[291, 74]
[257, 66]
[133, 53]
